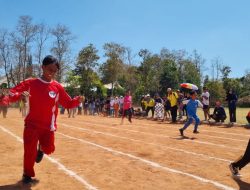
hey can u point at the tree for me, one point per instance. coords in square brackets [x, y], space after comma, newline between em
[191, 74]
[169, 76]
[225, 71]
[216, 68]
[61, 47]
[86, 63]
[41, 37]
[216, 91]
[112, 68]
[5, 54]
[25, 32]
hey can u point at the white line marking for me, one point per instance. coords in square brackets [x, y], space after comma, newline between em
[153, 164]
[177, 127]
[166, 136]
[54, 161]
[136, 140]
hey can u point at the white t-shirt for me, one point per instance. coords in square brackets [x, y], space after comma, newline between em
[205, 98]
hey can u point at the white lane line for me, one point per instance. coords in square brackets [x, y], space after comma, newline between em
[166, 136]
[139, 141]
[175, 126]
[54, 161]
[152, 164]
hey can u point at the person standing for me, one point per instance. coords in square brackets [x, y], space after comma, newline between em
[231, 98]
[192, 105]
[4, 102]
[173, 98]
[205, 101]
[150, 104]
[40, 122]
[159, 107]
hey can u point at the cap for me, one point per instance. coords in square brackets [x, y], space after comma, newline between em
[169, 89]
[148, 95]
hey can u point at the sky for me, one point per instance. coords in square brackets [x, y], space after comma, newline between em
[215, 28]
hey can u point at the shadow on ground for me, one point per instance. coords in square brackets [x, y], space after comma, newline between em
[19, 186]
[242, 185]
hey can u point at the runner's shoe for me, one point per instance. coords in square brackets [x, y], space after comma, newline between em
[181, 132]
[39, 155]
[234, 170]
[26, 179]
[196, 132]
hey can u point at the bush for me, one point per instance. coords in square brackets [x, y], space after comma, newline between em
[244, 101]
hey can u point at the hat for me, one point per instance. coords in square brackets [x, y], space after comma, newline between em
[169, 89]
[148, 95]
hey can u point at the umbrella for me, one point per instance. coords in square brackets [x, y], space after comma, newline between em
[189, 86]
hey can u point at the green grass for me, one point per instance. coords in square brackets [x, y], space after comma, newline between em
[241, 114]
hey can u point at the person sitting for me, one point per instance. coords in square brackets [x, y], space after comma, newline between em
[139, 113]
[219, 114]
[248, 118]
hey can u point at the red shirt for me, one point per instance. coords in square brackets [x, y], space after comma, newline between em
[43, 102]
[4, 100]
[127, 102]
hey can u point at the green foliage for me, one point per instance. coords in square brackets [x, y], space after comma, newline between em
[169, 76]
[216, 91]
[86, 62]
[191, 74]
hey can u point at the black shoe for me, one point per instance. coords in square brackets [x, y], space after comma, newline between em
[39, 155]
[196, 132]
[234, 170]
[26, 179]
[181, 132]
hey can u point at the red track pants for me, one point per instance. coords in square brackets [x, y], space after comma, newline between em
[31, 136]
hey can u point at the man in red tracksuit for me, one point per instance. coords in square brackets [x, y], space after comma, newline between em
[44, 95]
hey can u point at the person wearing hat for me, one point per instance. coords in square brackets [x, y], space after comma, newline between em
[150, 103]
[173, 98]
[44, 95]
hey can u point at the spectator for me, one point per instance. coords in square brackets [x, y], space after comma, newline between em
[150, 103]
[86, 106]
[173, 97]
[143, 103]
[205, 101]
[219, 114]
[4, 102]
[116, 106]
[159, 108]
[180, 104]
[167, 107]
[112, 110]
[231, 98]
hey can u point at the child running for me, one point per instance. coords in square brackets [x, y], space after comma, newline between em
[192, 105]
[241, 162]
[127, 107]
[44, 95]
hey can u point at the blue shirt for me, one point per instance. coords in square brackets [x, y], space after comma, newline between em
[192, 106]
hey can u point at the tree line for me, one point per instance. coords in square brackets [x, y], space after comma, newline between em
[143, 72]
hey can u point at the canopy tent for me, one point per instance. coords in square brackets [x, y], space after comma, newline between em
[115, 85]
